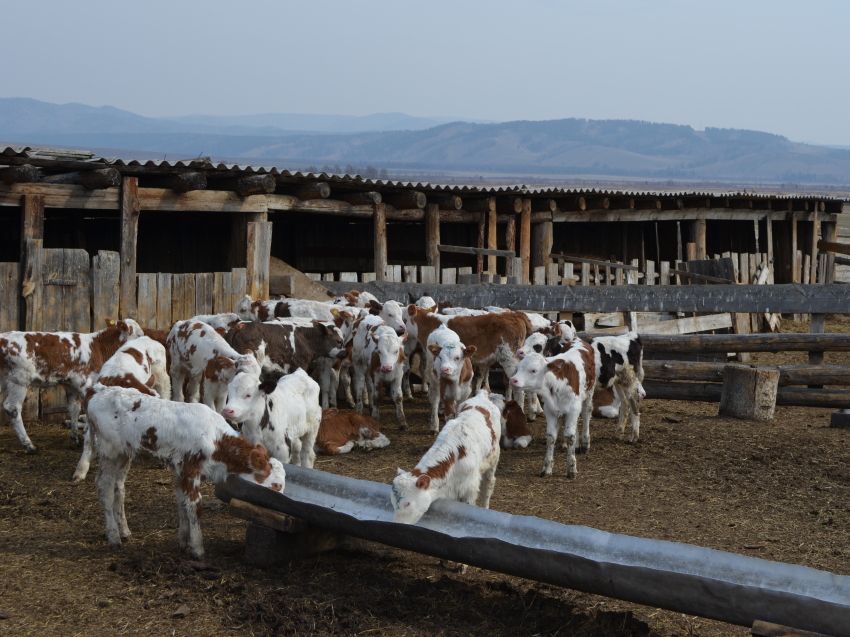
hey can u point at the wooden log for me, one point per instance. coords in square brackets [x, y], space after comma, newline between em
[392, 273]
[343, 276]
[258, 254]
[163, 301]
[316, 190]
[542, 237]
[789, 375]
[405, 200]
[379, 221]
[510, 204]
[10, 297]
[607, 264]
[700, 238]
[32, 219]
[239, 285]
[180, 183]
[749, 393]
[448, 276]
[834, 246]
[700, 277]
[204, 293]
[585, 274]
[22, 174]
[766, 629]
[492, 234]
[525, 240]
[719, 343]
[183, 297]
[265, 517]
[361, 198]
[222, 301]
[432, 236]
[146, 299]
[482, 229]
[451, 202]
[427, 274]
[829, 231]
[129, 235]
[807, 397]
[248, 185]
[106, 279]
[476, 251]
[476, 205]
[98, 179]
[409, 273]
[543, 205]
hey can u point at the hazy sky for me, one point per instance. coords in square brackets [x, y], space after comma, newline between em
[776, 66]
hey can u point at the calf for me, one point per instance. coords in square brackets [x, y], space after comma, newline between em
[619, 365]
[283, 416]
[460, 464]
[391, 313]
[377, 357]
[249, 309]
[516, 433]
[221, 323]
[339, 432]
[566, 384]
[196, 441]
[139, 364]
[449, 374]
[46, 359]
[287, 347]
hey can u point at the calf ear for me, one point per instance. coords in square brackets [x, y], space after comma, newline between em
[268, 387]
[329, 413]
[239, 325]
[221, 331]
[110, 322]
[375, 307]
[555, 365]
[469, 352]
[403, 339]
[411, 310]
[249, 351]
[399, 471]
[435, 349]
[423, 482]
[258, 459]
[410, 297]
[123, 326]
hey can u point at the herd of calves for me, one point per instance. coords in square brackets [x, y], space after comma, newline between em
[277, 367]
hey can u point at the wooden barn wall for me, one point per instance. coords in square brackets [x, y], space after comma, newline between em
[10, 237]
[617, 241]
[182, 243]
[89, 230]
[730, 236]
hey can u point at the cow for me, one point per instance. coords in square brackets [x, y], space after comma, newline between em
[566, 383]
[620, 368]
[449, 374]
[459, 465]
[196, 441]
[515, 431]
[283, 416]
[47, 359]
[377, 358]
[339, 433]
[287, 346]
[139, 364]
[249, 309]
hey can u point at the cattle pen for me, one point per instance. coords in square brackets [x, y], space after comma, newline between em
[92, 239]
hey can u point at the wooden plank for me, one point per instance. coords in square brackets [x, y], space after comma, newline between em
[266, 517]
[432, 236]
[32, 218]
[607, 264]
[351, 277]
[222, 296]
[713, 372]
[492, 237]
[427, 274]
[53, 320]
[478, 251]
[766, 629]
[687, 325]
[239, 286]
[449, 276]
[62, 196]
[510, 239]
[182, 297]
[203, 293]
[304, 287]
[146, 300]
[10, 296]
[129, 236]
[367, 276]
[721, 343]
[828, 231]
[409, 273]
[542, 236]
[525, 240]
[164, 282]
[700, 277]
[167, 200]
[77, 298]
[379, 227]
[834, 246]
[32, 289]
[259, 236]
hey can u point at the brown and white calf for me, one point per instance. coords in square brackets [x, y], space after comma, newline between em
[516, 434]
[566, 383]
[140, 364]
[449, 374]
[196, 441]
[495, 336]
[46, 359]
[619, 361]
[339, 433]
[377, 359]
[459, 465]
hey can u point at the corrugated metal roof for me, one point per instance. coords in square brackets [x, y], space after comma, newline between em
[360, 181]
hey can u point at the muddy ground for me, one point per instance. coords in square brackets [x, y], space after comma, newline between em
[777, 490]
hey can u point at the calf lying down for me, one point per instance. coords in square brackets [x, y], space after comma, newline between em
[339, 433]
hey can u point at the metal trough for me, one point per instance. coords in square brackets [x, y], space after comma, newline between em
[679, 577]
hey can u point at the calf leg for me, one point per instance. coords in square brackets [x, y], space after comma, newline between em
[308, 451]
[405, 381]
[357, 383]
[372, 388]
[570, 425]
[178, 377]
[488, 483]
[124, 469]
[634, 408]
[434, 400]
[624, 407]
[398, 399]
[108, 474]
[586, 411]
[189, 508]
[551, 436]
[345, 384]
[12, 405]
[74, 408]
[84, 463]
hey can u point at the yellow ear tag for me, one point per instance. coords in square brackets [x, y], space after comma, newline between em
[112, 322]
[334, 311]
[431, 309]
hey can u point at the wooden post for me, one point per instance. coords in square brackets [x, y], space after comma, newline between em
[525, 240]
[129, 234]
[691, 251]
[379, 219]
[32, 227]
[432, 237]
[106, 280]
[664, 279]
[482, 231]
[541, 243]
[829, 232]
[650, 273]
[795, 253]
[258, 254]
[222, 301]
[492, 238]
[748, 393]
[204, 293]
[510, 242]
[769, 240]
[700, 238]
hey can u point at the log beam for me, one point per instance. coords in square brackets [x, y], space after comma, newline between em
[713, 372]
[23, 174]
[248, 185]
[452, 202]
[541, 242]
[407, 200]
[316, 190]
[492, 237]
[130, 208]
[179, 183]
[99, 179]
[476, 251]
[362, 198]
[525, 240]
[432, 236]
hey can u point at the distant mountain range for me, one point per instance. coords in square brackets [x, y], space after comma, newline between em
[619, 148]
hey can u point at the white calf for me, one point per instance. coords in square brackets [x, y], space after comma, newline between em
[566, 384]
[449, 373]
[377, 359]
[283, 416]
[619, 366]
[460, 464]
[195, 440]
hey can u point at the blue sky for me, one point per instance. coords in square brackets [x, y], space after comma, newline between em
[776, 66]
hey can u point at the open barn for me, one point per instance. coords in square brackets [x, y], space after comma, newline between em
[93, 239]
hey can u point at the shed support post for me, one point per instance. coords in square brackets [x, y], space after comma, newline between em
[32, 227]
[541, 244]
[699, 239]
[525, 240]
[510, 242]
[379, 219]
[492, 238]
[771, 279]
[829, 232]
[482, 231]
[258, 255]
[129, 235]
[432, 236]
[795, 263]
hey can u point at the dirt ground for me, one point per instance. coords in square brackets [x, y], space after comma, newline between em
[775, 490]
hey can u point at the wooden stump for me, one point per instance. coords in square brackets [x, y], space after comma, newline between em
[748, 393]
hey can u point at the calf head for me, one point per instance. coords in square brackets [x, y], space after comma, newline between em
[448, 361]
[330, 340]
[387, 349]
[249, 364]
[250, 462]
[391, 313]
[411, 496]
[246, 397]
[243, 308]
[534, 343]
[530, 372]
